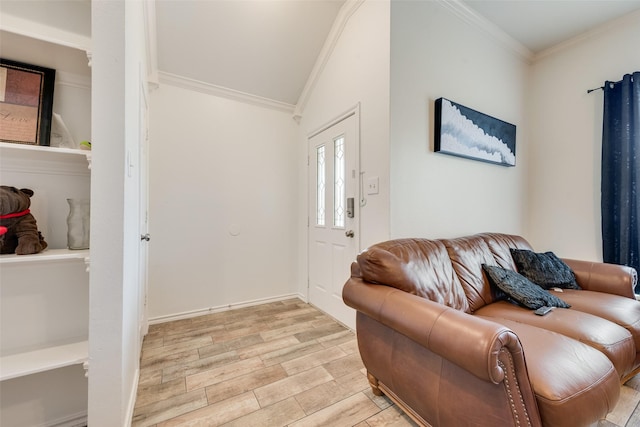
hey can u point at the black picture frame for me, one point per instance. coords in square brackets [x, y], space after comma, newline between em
[26, 102]
[463, 132]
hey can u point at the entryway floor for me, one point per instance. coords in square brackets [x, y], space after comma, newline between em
[278, 364]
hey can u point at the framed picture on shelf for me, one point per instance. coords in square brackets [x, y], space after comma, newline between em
[461, 131]
[26, 102]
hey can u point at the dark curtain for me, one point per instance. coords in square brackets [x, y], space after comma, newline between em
[620, 171]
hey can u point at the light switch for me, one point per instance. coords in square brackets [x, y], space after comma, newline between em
[372, 185]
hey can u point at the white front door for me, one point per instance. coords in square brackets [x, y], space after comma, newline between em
[333, 214]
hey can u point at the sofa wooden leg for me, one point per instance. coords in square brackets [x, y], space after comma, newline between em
[373, 382]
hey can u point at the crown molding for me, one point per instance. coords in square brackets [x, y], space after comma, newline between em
[345, 13]
[492, 30]
[607, 26]
[223, 92]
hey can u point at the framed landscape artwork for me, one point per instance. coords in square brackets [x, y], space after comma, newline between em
[26, 102]
[463, 132]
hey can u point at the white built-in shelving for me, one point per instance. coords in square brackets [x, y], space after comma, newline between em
[48, 255]
[48, 33]
[54, 356]
[33, 362]
[54, 155]
[45, 296]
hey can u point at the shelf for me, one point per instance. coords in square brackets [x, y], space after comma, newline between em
[44, 149]
[22, 364]
[46, 256]
[44, 159]
[42, 152]
[47, 33]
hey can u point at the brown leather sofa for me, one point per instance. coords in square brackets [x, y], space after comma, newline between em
[438, 339]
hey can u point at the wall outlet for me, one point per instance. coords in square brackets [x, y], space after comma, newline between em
[373, 184]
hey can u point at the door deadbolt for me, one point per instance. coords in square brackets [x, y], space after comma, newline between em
[350, 209]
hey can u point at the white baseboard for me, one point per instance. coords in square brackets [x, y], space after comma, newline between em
[76, 420]
[210, 310]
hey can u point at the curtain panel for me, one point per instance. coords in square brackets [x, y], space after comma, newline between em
[620, 172]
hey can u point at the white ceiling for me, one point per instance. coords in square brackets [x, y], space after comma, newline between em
[541, 24]
[260, 47]
[268, 48]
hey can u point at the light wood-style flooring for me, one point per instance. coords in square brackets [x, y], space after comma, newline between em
[277, 364]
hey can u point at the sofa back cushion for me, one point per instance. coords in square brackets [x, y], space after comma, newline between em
[500, 246]
[469, 253]
[418, 266]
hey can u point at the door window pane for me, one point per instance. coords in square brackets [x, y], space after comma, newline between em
[320, 185]
[338, 183]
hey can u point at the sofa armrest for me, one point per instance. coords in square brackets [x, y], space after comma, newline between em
[603, 277]
[470, 342]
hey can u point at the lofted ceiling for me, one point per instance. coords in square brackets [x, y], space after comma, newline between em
[265, 48]
[268, 48]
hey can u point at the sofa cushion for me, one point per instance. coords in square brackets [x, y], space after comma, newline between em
[568, 377]
[418, 266]
[544, 269]
[615, 308]
[521, 289]
[613, 340]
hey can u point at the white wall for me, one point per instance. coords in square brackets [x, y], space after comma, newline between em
[393, 59]
[118, 58]
[356, 72]
[566, 137]
[435, 54]
[222, 202]
[135, 112]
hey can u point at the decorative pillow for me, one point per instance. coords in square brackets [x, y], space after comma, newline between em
[521, 289]
[544, 269]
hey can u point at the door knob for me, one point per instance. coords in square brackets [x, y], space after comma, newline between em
[349, 233]
[145, 237]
